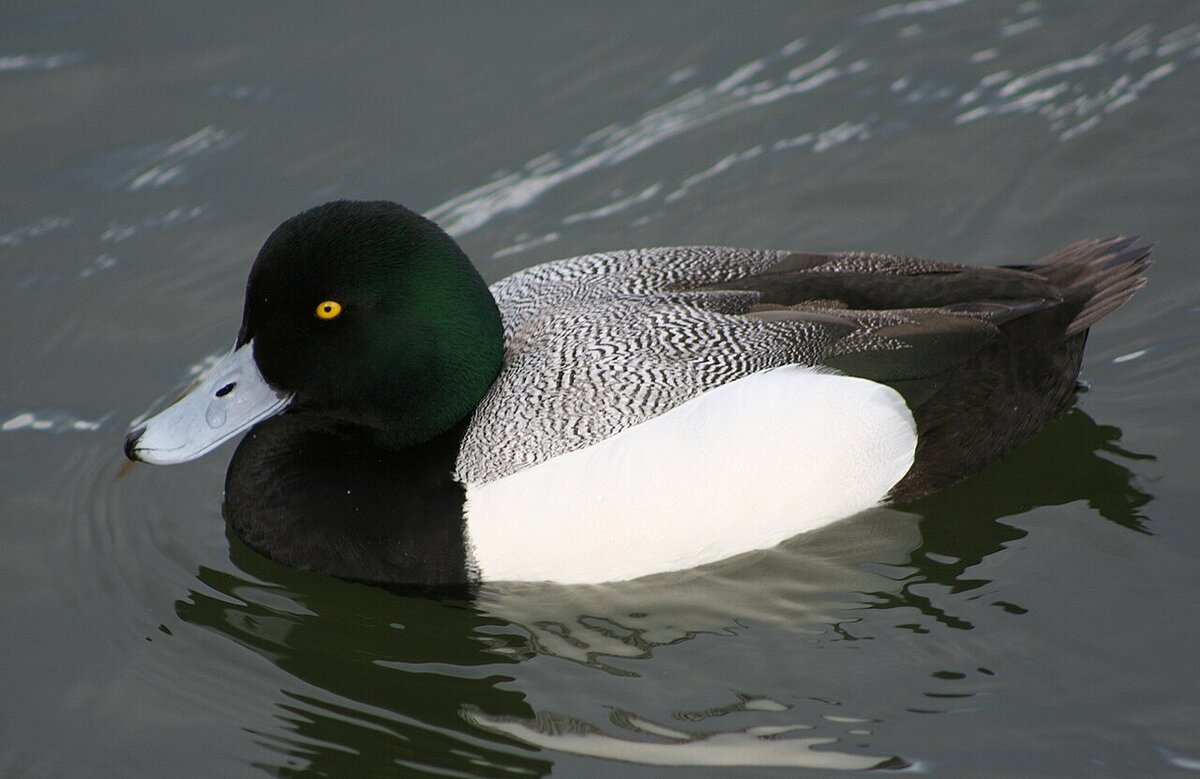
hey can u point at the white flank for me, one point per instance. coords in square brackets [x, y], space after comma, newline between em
[742, 467]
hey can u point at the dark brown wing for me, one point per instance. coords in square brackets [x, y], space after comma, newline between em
[985, 357]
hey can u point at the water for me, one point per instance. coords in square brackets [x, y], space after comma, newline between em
[1037, 620]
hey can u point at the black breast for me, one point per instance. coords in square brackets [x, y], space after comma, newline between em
[324, 497]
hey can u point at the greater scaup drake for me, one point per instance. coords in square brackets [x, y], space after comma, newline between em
[614, 415]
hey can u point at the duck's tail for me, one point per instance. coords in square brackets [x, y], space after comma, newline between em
[1102, 273]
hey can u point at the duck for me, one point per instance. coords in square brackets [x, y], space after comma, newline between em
[615, 415]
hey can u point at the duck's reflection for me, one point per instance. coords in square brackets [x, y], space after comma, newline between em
[400, 670]
[1073, 459]
[443, 684]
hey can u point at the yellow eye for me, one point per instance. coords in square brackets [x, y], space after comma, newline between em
[329, 309]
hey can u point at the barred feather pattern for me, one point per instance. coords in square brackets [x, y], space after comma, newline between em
[599, 343]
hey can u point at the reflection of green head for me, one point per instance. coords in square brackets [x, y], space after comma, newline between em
[417, 340]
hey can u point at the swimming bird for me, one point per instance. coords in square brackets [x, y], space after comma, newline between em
[614, 415]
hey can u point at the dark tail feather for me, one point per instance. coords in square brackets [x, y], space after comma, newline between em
[1104, 273]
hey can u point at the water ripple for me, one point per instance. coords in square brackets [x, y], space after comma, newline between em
[49, 421]
[1082, 90]
[912, 8]
[17, 63]
[1072, 93]
[617, 144]
[753, 746]
[166, 163]
[46, 224]
[118, 231]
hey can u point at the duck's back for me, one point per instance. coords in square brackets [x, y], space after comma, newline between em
[601, 343]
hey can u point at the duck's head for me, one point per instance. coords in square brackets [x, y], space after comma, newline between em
[360, 313]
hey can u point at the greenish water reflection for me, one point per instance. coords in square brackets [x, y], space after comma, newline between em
[1073, 459]
[408, 664]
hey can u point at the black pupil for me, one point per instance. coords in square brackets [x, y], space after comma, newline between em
[228, 388]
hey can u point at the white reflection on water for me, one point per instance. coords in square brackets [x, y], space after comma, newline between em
[118, 231]
[47, 224]
[911, 9]
[1072, 94]
[49, 420]
[159, 166]
[615, 144]
[765, 746]
[27, 62]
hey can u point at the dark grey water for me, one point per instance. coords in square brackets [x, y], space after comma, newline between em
[1039, 620]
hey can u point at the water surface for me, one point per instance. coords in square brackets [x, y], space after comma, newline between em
[1038, 620]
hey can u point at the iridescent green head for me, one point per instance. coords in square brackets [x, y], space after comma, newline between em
[362, 312]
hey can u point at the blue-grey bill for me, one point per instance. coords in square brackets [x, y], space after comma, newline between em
[231, 398]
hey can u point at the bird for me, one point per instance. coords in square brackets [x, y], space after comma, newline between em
[616, 415]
